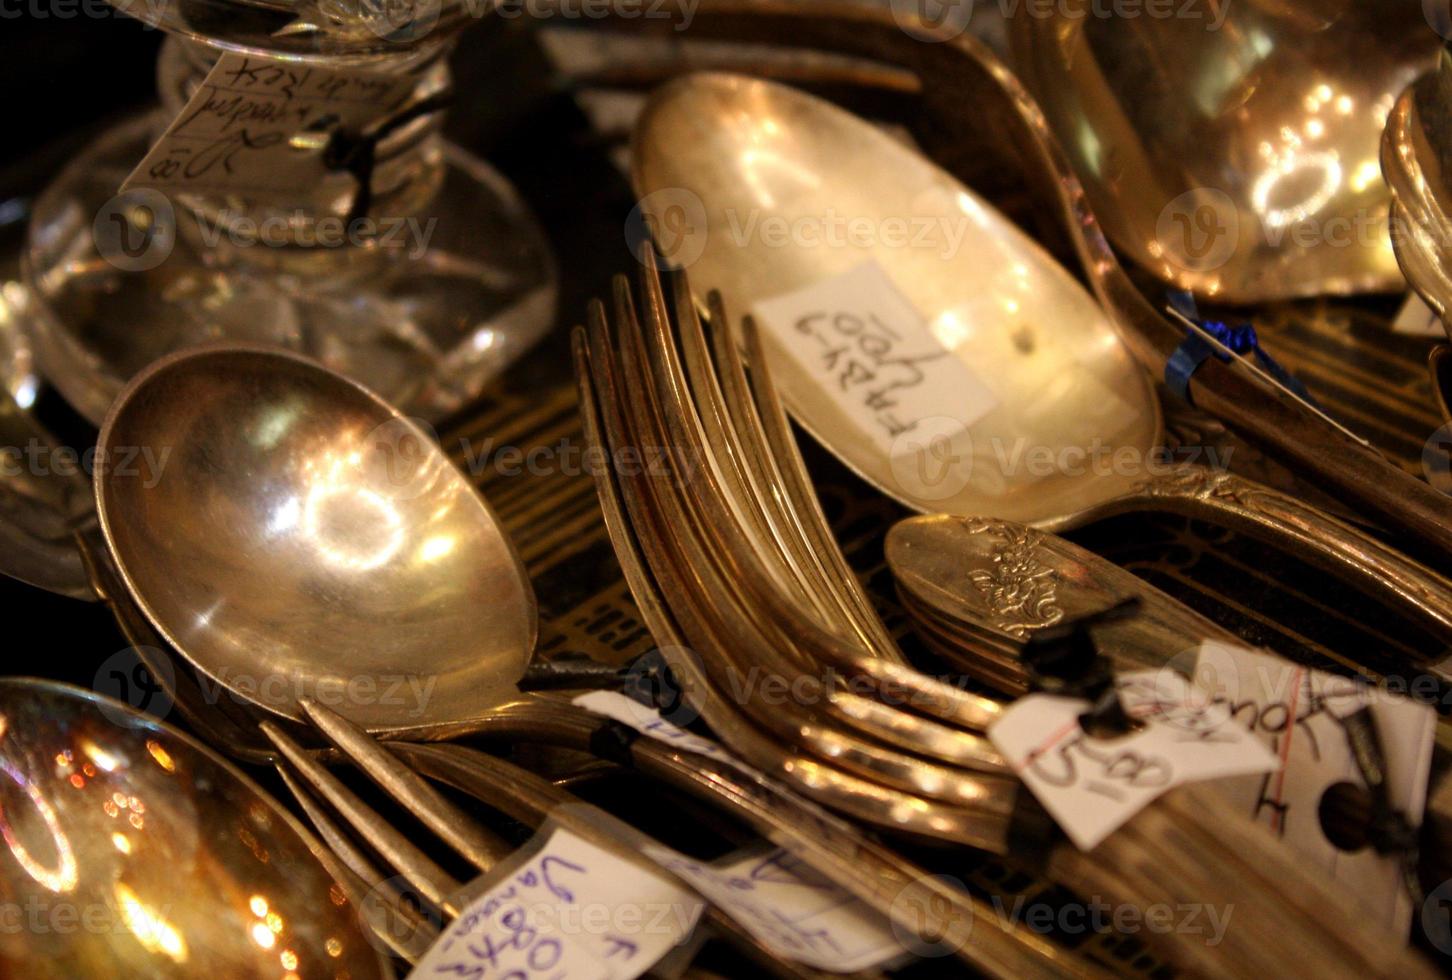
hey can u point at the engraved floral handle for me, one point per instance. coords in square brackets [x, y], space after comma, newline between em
[1307, 532]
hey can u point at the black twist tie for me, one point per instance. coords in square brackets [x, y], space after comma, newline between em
[613, 742]
[1389, 832]
[356, 151]
[1063, 660]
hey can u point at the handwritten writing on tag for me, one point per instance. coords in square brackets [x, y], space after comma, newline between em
[1091, 786]
[791, 909]
[258, 127]
[1296, 712]
[1417, 319]
[647, 721]
[863, 341]
[571, 911]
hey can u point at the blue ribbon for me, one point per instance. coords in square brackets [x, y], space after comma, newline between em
[1196, 350]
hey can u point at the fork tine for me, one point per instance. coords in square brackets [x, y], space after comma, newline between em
[404, 930]
[432, 881]
[479, 846]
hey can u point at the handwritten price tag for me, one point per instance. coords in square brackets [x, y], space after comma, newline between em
[1296, 713]
[257, 127]
[1092, 786]
[570, 911]
[862, 340]
[791, 909]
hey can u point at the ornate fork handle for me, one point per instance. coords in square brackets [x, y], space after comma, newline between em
[1311, 534]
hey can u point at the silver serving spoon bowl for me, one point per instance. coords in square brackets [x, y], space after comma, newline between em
[1232, 148]
[135, 851]
[1076, 432]
[294, 536]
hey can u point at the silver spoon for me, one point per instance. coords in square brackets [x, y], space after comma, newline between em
[303, 539]
[195, 871]
[1232, 148]
[1063, 379]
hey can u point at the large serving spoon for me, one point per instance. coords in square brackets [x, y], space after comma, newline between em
[1231, 148]
[194, 870]
[1064, 381]
[303, 539]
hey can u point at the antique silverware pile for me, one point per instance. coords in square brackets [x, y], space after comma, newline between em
[296, 534]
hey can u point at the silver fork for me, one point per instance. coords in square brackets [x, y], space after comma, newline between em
[513, 791]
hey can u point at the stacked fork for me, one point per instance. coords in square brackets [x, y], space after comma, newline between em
[736, 573]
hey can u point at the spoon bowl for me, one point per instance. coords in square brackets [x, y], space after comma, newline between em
[294, 536]
[765, 174]
[179, 865]
[1231, 149]
[749, 151]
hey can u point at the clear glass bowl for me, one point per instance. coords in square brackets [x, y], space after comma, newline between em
[425, 319]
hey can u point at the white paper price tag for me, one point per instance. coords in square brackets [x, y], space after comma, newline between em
[860, 338]
[648, 722]
[1295, 712]
[1092, 786]
[570, 911]
[258, 127]
[1417, 319]
[791, 909]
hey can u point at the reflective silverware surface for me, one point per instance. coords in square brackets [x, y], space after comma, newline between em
[502, 786]
[1440, 363]
[1066, 386]
[1233, 149]
[1006, 134]
[988, 584]
[141, 853]
[300, 538]
[711, 626]
[1416, 152]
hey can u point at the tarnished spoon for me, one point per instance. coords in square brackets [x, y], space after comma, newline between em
[132, 850]
[1231, 147]
[303, 539]
[744, 151]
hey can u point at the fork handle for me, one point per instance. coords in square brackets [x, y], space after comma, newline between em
[1307, 532]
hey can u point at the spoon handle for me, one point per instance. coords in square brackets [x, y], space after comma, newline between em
[1313, 535]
